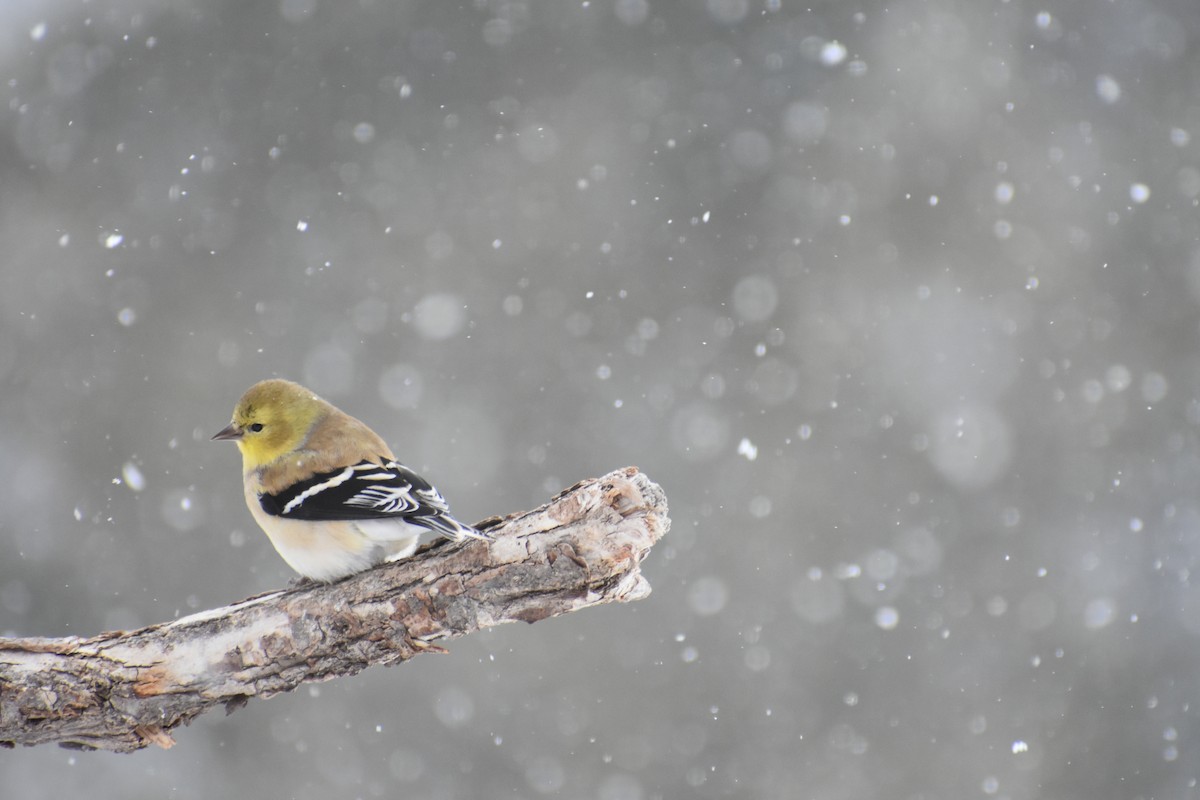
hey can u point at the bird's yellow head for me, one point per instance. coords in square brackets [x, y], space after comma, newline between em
[273, 419]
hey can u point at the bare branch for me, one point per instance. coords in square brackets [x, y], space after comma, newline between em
[122, 691]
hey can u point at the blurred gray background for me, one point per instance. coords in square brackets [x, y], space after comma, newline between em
[898, 302]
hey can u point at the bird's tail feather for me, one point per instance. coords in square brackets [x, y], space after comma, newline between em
[451, 528]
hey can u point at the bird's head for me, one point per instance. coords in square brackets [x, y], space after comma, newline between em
[272, 419]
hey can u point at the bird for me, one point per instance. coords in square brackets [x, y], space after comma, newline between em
[326, 489]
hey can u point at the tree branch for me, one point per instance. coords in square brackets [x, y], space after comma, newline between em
[122, 691]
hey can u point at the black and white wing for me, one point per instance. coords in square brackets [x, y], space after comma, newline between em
[368, 491]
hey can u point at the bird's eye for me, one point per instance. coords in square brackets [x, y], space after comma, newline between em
[256, 427]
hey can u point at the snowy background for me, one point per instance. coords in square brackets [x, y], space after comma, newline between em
[898, 301]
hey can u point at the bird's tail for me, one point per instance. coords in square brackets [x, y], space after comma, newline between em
[452, 529]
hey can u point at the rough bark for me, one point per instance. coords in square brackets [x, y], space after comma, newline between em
[124, 690]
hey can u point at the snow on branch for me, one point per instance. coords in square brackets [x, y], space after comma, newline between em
[121, 691]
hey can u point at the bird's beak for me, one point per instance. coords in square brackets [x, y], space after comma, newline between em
[230, 431]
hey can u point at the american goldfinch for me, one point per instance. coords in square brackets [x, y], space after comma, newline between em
[326, 489]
